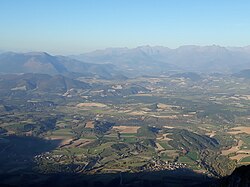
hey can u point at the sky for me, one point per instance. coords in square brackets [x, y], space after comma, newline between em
[78, 26]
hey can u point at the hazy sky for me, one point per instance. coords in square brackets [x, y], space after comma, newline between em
[76, 26]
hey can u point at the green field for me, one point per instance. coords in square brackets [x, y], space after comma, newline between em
[165, 145]
[247, 159]
[166, 157]
[128, 134]
[185, 159]
[63, 132]
[246, 140]
[193, 156]
[129, 139]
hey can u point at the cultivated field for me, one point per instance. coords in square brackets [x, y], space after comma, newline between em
[239, 130]
[126, 129]
[90, 124]
[233, 149]
[239, 157]
[101, 105]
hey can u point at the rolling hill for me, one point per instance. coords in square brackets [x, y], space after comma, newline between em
[41, 62]
[39, 82]
[243, 74]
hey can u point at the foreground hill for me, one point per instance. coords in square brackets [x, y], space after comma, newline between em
[240, 177]
[39, 82]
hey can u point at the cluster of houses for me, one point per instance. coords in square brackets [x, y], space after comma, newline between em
[158, 165]
[48, 156]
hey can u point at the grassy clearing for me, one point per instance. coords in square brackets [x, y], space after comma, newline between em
[165, 145]
[110, 138]
[62, 132]
[133, 161]
[185, 159]
[100, 148]
[195, 167]
[130, 139]
[128, 134]
[166, 157]
[75, 150]
[246, 141]
[193, 155]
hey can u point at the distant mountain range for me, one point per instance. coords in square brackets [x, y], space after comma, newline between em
[155, 60]
[144, 60]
